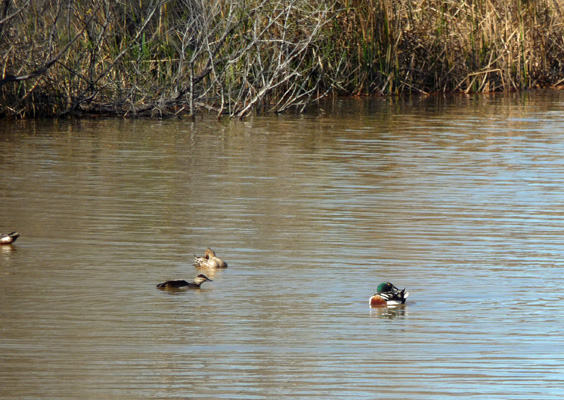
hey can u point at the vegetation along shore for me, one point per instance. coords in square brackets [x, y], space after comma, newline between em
[235, 57]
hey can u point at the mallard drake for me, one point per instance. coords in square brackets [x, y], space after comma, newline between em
[8, 238]
[182, 284]
[209, 260]
[388, 295]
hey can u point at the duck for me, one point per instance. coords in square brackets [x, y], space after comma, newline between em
[388, 295]
[209, 260]
[9, 238]
[182, 284]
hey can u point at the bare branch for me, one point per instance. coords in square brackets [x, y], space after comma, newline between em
[45, 67]
[14, 14]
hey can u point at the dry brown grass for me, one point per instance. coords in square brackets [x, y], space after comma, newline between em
[161, 58]
[450, 45]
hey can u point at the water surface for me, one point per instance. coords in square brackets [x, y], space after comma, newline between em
[459, 199]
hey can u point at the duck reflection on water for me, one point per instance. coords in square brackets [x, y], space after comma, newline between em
[389, 312]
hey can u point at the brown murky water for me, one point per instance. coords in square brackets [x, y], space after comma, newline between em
[461, 200]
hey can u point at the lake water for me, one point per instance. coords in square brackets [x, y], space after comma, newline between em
[458, 199]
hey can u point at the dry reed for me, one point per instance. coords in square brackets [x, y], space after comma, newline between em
[234, 57]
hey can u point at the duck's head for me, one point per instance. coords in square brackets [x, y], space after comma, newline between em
[201, 279]
[385, 287]
[209, 253]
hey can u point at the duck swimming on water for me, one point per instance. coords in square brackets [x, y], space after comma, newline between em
[209, 260]
[388, 295]
[9, 238]
[182, 284]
